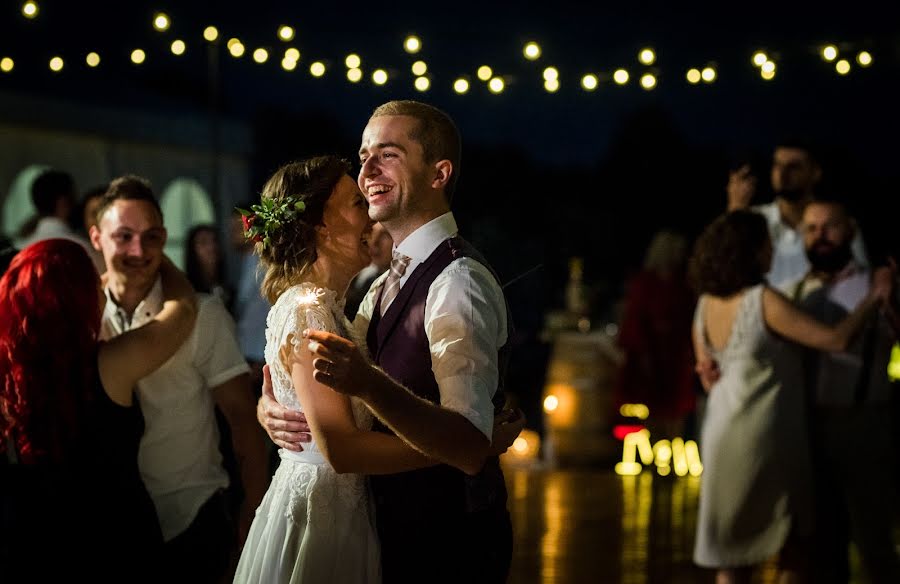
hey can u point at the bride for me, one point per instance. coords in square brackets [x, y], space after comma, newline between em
[314, 523]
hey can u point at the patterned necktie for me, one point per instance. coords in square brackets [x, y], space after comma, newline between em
[392, 283]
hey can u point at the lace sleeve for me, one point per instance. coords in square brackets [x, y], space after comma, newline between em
[311, 313]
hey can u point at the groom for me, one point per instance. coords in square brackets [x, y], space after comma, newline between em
[438, 332]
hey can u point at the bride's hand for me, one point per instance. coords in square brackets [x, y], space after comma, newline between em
[338, 363]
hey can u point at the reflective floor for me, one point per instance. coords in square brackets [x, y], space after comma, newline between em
[595, 526]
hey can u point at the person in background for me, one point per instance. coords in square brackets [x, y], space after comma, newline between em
[852, 418]
[796, 171]
[380, 248]
[654, 335]
[205, 263]
[84, 216]
[72, 503]
[756, 498]
[54, 196]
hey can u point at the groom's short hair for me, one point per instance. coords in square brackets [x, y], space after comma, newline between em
[435, 131]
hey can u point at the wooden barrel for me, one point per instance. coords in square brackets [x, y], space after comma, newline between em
[578, 399]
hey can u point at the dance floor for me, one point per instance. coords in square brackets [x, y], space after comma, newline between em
[593, 526]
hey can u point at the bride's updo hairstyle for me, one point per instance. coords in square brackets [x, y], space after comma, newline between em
[291, 249]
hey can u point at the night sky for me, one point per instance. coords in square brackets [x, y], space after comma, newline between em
[625, 156]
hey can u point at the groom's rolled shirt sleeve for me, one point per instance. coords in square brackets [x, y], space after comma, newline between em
[465, 321]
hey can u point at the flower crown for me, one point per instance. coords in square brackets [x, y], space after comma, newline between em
[262, 220]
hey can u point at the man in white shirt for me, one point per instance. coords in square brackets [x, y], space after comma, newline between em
[795, 175]
[851, 417]
[179, 457]
[437, 324]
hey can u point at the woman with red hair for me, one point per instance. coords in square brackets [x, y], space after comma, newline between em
[72, 501]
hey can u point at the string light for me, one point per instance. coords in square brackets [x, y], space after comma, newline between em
[56, 64]
[647, 56]
[286, 33]
[354, 74]
[288, 64]
[353, 61]
[178, 47]
[648, 81]
[551, 74]
[419, 68]
[551, 85]
[461, 86]
[317, 69]
[590, 82]
[760, 58]
[138, 56]
[693, 76]
[768, 67]
[767, 75]
[30, 9]
[842, 66]
[422, 83]
[292, 54]
[620, 76]
[379, 76]
[829, 53]
[260, 55]
[7, 65]
[412, 44]
[708, 74]
[210, 33]
[497, 85]
[864, 58]
[236, 48]
[92, 59]
[161, 22]
[532, 51]
[485, 73]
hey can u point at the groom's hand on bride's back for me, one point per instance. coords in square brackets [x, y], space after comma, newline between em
[287, 428]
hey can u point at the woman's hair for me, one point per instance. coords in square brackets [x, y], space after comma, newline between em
[729, 255]
[49, 324]
[291, 250]
[192, 267]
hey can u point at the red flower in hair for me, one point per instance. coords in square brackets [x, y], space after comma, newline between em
[247, 220]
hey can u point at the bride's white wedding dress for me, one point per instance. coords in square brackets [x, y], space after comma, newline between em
[313, 525]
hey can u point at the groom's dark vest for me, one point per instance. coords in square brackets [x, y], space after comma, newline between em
[400, 347]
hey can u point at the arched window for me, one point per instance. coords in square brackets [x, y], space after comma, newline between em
[17, 207]
[184, 204]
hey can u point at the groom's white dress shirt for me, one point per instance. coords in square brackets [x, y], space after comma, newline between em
[465, 322]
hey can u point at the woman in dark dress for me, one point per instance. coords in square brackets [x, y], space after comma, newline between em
[72, 503]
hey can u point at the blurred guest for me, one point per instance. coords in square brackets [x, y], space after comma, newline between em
[205, 263]
[852, 416]
[72, 500]
[796, 170]
[87, 210]
[755, 499]
[84, 216]
[655, 337]
[381, 248]
[53, 195]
